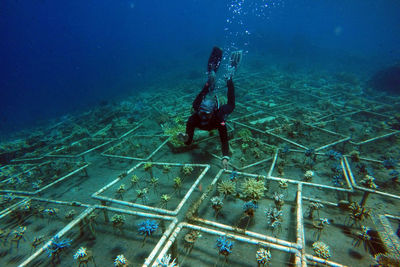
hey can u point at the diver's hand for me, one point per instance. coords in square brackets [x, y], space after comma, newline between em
[183, 137]
[225, 163]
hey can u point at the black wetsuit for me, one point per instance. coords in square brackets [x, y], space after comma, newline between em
[217, 120]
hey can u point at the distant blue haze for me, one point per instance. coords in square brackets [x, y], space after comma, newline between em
[61, 56]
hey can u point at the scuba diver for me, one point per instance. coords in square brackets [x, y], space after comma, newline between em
[208, 114]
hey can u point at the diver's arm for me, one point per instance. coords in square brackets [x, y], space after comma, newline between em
[197, 101]
[230, 106]
[223, 135]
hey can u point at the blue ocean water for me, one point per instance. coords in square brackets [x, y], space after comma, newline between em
[59, 57]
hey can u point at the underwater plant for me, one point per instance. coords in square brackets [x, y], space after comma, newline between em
[280, 168]
[37, 241]
[148, 167]
[308, 175]
[118, 221]
[358, 213]
[368, 182]
[154, 183]
[278, 200]
[120, 191]
[245, 134]
[56, 247]
[142, 194]
[190, 238]
[166, 168]
[362, 236]
[83, 256]
[216, 203]
[166, 261]
[253, 189]
[314, 206]
[355, 156]
[321, 250]
[70, 215]
[165, 198]
[173, 132]
[283, 184]
[147, 228]
[274, 217]
[134, 180]
[18, 234]
[386, 259]
[178, 184]
[249, 209]
[263, 257]
[224, 246]
[121, 261]
[319, 226]
[187, 170]
[226, 188]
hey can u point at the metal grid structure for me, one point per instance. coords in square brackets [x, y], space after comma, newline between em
[308, 201]
[42, 176]
[148, 193]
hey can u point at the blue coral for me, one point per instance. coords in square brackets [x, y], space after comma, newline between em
[233, 176]
[250, 205]
[58, 245]
[224, 246]
[148, 227]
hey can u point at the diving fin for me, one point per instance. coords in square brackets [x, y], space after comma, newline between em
[214, 60]
[236, 57]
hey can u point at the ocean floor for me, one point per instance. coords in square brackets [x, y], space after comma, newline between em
[313, 179]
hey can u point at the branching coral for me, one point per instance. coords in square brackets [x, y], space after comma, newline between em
[358, 213]
[226, 187]
[253, 189]
[321, 250]
[166, 261]
[57, 246]
[187, 170]
[148, 227]
[263, 256]
[278, 200]
[120, 261]
[118, 220]
[314, 206]
[224, 246]
[249, 208]
[274, 217]
[308, 175]
[245, 134]
[369, 182]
